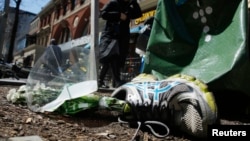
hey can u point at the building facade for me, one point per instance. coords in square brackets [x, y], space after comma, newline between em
[23, 28]
[67, 21]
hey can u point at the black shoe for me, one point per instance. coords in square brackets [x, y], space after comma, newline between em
[103, 86]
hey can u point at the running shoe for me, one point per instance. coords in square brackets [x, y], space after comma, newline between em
[180, 101]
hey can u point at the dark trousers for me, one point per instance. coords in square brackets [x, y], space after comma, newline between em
[115, 67]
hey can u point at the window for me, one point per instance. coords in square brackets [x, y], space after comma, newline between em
[82, 1]
[64, 9]
[65, 35]
[49, 17]
[73, 4]
[57, 13]
[86, 29]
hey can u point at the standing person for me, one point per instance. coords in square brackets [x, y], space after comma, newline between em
[53, 57]
[117, 14]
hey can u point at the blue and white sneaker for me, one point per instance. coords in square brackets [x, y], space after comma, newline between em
[181, 101]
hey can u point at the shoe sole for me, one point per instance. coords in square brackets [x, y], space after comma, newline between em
[195, 120]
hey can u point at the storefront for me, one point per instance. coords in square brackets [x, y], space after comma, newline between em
[134, 60]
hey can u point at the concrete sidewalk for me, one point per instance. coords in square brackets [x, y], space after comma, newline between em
[13, 81]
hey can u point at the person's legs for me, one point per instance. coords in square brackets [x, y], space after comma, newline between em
[124, 52]
[103, 72]
[115, 66]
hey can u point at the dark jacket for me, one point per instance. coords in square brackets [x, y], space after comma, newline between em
[116, 28]
[112, 11]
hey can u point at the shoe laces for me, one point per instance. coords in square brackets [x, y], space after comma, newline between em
[148, 124]
[152, 109]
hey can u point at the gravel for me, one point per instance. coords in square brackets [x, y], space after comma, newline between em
[17, 120]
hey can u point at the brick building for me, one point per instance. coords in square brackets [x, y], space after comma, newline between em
[66, 21]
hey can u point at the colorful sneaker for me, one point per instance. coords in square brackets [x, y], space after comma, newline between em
[181, 101]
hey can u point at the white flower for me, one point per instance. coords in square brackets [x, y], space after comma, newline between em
[42, 86]
[36, 87]
[15, 97]
[22, 89]
[9, 95]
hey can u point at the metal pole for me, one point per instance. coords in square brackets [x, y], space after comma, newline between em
[94, 39]
[3, 24]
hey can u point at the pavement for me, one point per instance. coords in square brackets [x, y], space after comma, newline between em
[13, 81]
[24, 138]
[21, 81]
[106, 89]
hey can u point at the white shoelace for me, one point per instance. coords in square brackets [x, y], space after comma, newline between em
[148, 124]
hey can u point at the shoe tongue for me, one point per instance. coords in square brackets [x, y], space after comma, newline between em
[127, 108]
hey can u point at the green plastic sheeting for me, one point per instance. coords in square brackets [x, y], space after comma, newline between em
[203, 38]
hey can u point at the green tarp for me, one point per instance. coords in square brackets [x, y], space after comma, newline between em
[203, 38]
